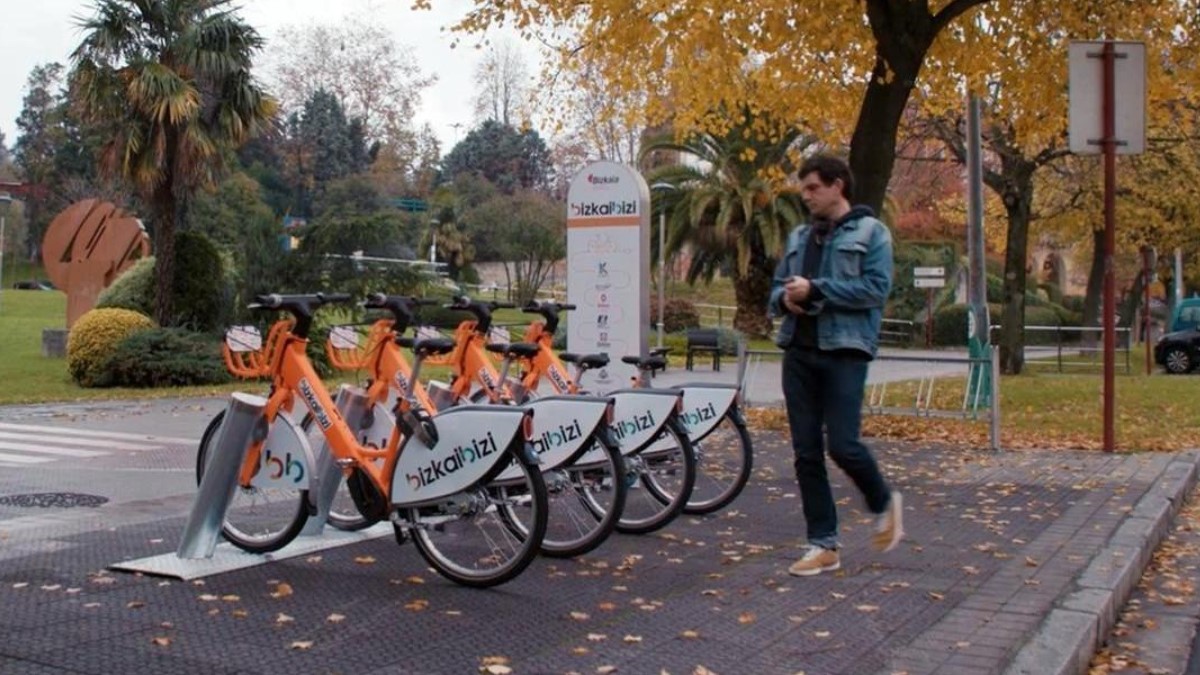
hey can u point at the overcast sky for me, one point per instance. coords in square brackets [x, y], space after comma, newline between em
[33, 32]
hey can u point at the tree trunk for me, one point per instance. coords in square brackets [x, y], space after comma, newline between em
[751, 291]
[873, 145]
[164, 253]
[903, 33]
[1095, 288]
[1018, 203]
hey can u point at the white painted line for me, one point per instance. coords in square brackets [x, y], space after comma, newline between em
[228, 558]
[82, 442]
[49, 450]
[23, 459]
[100, 434]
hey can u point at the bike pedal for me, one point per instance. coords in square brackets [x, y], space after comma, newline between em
[401, 534]
[366, 498]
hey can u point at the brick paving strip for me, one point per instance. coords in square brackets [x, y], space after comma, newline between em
[1014, 561]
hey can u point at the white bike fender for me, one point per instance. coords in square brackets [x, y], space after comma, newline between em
[639, 416]
[704, 406]
[562, 425]
[471, 441]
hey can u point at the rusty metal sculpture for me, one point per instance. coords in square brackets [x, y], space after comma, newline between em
[86, 248]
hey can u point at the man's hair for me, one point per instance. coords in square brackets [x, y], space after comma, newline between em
[829, 169]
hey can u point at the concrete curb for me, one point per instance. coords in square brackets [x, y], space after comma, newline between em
[1081, 621]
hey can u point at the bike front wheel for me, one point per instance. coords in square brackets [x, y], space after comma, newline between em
[258, 520]
[469, 537]
[724, 459]
[585, 501]
[660, 480]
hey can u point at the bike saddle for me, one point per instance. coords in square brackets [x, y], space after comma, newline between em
[651, 363]
[522, 350]
[586, 361]
[427, 346]
[660, 351]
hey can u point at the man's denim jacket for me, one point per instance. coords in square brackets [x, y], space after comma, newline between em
[855, 279]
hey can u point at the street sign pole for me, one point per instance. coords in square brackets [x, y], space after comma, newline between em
[1109, 142]
[1119, 128]
[979, 330]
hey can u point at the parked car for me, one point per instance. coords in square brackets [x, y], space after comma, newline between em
[1187, 314]
[1179, 352]
[34, 285]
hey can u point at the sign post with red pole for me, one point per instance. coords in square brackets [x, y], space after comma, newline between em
[1117, 72]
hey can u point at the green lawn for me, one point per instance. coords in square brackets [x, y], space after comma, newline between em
[29, 377]
[1039, 409]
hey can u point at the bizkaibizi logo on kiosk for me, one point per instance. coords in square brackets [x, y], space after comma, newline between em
[612, 208]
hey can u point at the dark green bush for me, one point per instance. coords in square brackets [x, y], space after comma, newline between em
[1073, 303]
[165, 357]
[202, 295]
[950, 325]
[678, 314]
[133, 290]
[727, 340]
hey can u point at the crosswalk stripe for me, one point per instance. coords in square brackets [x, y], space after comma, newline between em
[49, 450]
[23, 459]
[114, 444]
[98, 434]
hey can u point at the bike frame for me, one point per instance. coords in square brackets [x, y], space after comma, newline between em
[292, 375]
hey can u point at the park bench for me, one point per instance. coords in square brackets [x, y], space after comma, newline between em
[703, 340]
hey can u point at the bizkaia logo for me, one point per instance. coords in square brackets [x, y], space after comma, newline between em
[613, 208]
[603, 180]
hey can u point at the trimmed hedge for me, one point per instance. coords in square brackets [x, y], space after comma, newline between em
[165, 357]
[94, 338]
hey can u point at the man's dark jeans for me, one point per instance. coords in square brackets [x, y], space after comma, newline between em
[826, 389]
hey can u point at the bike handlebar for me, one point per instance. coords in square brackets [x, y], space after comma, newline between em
[402, 307]
[481, 309]
[549, 311]
[300, 306]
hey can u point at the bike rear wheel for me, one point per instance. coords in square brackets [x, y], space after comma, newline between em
[724, 459]
[660, 481]
[258, 520]
[466, 538]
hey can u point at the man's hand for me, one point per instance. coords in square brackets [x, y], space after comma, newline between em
[797, 289]
[793, 307]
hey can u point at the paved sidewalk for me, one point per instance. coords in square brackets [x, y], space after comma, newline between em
[1015, 562]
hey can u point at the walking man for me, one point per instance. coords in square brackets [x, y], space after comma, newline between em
[830, 288]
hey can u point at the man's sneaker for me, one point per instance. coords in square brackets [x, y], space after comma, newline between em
[815, 561]
[889, 529]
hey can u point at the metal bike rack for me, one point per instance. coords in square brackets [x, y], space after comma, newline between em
[243, 418]
[352, 404]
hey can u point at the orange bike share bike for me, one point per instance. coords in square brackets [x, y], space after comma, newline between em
[710, 416]
[660, 466]
[434, 478]
[581, 465]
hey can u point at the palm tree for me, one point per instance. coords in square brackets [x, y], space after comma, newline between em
[170, 81]
[731, 207]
